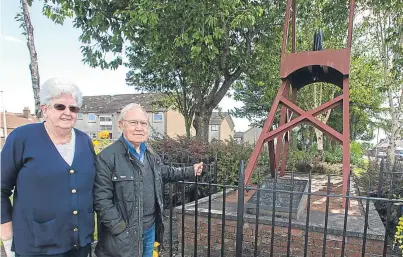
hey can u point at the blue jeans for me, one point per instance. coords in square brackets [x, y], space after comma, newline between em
[148, 241]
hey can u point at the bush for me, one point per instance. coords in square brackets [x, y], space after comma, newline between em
[356, 154]
[187, 151]
[299, 161]
[334, 156]
[184, 151]
[327, 168]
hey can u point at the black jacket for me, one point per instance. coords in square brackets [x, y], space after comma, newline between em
[118, 199]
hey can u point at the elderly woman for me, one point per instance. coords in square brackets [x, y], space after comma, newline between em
[50, 167]
[128, 189]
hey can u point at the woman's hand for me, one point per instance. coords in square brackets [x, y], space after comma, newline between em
[7, 246]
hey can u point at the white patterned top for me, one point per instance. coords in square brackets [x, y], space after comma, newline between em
[67, 150]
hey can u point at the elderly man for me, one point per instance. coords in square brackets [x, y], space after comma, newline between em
[128, 190]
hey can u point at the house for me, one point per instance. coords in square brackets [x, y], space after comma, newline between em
[238, 136]
[382, 147]
[252, 135]
[221, 126]
[249, 136]
[100, 113]
[13, 121]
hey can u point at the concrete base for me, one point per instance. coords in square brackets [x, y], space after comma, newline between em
[283, 200]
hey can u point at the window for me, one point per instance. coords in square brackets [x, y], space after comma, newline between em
[105, 123]
[105, 127]
[158, 117]
[214, 127]
[105, 118]
[80, 116]
[92, 135]
[92, 117]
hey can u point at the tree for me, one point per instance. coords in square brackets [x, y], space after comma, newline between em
[384, 21]
[330, 16]
[197, 47]
[57, 15]
[311, 15]
[28, 31]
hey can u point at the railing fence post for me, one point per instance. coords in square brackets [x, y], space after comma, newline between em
[240, 211]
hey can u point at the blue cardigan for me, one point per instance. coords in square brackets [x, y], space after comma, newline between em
[52, 211]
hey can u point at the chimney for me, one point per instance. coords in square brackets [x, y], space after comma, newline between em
[26, 113]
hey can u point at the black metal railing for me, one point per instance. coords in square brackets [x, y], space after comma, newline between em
[203, 225]
[364, 199]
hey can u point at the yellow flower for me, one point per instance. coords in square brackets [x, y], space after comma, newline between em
[95, 142]
[156, 249]
[103, 134]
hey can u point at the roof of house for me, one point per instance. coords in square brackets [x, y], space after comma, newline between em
[115, 103]
[15, 120]
[218, 117]
[238, 134]
[385, 143]
[259, 129]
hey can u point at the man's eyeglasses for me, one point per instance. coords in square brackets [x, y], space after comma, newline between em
[135, 123]
[62, 107]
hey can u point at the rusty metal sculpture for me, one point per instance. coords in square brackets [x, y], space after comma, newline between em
[297, 71]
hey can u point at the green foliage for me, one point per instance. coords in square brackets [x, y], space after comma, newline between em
[259, 91]
[190, 150]
[334, 156]
[356, 155]
[299, 161]
[192, 51]
[229, 154]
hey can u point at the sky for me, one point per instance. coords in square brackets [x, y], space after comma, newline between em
[59, 55]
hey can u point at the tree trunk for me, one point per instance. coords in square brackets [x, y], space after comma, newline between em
[319, 142]
[33, 56]
[201, 123]
[395, 113]
[188, 126]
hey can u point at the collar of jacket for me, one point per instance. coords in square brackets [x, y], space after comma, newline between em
[132, 150]
[148, 148]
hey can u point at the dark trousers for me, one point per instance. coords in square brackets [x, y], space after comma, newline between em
[80, 252]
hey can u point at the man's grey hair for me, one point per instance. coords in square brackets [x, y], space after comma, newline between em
[130, 107]
[55, 87]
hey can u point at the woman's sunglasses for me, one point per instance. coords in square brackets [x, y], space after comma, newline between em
[62, 107]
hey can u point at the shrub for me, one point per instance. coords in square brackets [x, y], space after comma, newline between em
[356, 154]
[334, 156]
[180, 149]
[327, 168]
[230, 153]
[184, 150]
[299, 161]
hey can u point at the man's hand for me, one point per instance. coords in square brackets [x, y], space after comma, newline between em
[198, 168]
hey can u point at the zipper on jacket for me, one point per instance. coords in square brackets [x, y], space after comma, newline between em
[140, 236]
[140, 208]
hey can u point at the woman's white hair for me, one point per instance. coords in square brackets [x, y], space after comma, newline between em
[130, 107]
[55, 87]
